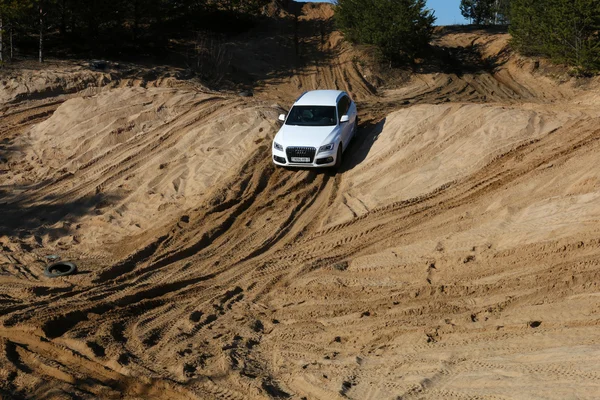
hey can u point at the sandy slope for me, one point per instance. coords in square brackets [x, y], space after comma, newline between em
[425, 148]
[133, 158]
[454, 256]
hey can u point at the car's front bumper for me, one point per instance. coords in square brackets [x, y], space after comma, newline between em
[324, 159]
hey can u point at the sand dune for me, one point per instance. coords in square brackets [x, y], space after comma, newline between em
[454, 256]
[135, 158]
[425, 148]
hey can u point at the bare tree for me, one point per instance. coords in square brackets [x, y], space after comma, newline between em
[41, 6]
[212, 58]
[1, 38]
[10, 10]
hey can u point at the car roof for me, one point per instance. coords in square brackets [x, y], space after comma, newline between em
[319, 98]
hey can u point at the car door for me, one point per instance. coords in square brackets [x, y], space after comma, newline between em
[353, 115]
[345, 128]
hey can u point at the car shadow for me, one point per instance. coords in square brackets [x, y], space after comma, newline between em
[356, 153]
[361, 145]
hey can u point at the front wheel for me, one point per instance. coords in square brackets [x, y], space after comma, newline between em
[338, 159]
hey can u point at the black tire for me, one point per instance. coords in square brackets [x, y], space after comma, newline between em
[338, 159]
[58, 269]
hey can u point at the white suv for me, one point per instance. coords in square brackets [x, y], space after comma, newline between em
[316, 131]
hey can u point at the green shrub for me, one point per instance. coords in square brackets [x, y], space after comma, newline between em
[401, 29]
[565, 30]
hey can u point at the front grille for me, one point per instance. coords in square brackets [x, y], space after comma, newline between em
[308, 152]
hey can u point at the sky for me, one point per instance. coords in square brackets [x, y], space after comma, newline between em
[446, 11]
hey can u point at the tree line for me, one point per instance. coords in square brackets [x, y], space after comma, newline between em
[486, 12]
[567, 31]
[98, 27]
[400, 29]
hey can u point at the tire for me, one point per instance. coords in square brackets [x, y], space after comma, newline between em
[338, 159]
[58, 269]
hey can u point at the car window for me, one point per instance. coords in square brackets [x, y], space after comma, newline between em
[343, 106]
[311, 116]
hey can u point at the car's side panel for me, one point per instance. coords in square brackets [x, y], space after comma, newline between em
[353, 119]
[343, 108]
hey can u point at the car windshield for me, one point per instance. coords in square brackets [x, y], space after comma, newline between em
[312, 116]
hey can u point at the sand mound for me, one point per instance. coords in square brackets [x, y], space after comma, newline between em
[476, 66]
[38, 84]
[55, 79]
[130, 159]
[420, 150]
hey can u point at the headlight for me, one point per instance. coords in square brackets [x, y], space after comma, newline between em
[327, 147]
[277, 146]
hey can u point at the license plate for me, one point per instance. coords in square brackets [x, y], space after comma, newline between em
[300, 159]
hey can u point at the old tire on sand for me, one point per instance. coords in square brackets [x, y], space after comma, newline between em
[62, 268]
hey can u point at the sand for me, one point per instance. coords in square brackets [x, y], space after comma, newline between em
[455, 255]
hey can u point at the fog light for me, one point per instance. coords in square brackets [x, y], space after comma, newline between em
[322, 161]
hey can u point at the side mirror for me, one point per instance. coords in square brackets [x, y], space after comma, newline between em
[282, 117]
[344, 118]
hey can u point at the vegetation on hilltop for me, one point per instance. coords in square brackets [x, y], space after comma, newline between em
[486, 12]
[109, 27]
[401, 29]
[567, 31]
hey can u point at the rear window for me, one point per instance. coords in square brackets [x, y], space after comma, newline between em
[312, 116]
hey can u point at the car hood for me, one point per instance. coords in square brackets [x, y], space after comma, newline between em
[312, 136]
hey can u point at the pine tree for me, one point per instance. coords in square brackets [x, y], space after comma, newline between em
[6, 8]
[10, 11]
[501, 10]
[486, 12]
[401, 29]
[565, 30]
[479, 12]
[42, 28]
[1, 35]
[526, 26]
